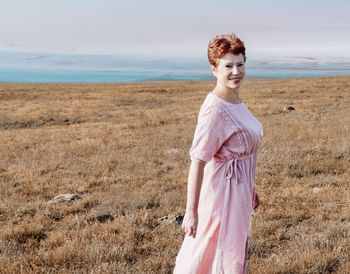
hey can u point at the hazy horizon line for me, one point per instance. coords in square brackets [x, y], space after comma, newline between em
[165, 51]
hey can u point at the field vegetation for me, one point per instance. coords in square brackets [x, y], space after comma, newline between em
[123, 148]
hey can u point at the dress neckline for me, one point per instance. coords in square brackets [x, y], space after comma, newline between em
[226, 102]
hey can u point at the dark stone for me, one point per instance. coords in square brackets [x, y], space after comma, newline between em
[288, 108]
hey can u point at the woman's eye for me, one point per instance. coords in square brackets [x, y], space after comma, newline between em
[229, 66]
[240, 65]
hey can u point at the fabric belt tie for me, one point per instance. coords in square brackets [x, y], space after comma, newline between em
[233, 170]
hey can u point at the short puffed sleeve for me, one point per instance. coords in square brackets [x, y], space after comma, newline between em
[210, 133]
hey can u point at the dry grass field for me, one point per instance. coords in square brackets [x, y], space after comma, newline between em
[124, 149]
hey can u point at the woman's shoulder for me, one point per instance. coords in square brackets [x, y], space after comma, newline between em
[209, 106]
[212, 110]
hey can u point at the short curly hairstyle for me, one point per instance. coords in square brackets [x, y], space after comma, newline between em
[222, 44]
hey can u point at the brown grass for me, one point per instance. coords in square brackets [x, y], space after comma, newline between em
[124, 149]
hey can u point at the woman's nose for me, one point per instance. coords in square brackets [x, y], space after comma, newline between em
[234, 70]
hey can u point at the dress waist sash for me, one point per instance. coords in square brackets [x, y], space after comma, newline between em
[236, 211]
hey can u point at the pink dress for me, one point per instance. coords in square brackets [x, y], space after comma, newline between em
[227, 137]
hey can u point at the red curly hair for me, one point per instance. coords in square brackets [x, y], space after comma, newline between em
[222, 44]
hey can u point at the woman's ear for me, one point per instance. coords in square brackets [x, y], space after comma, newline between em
[213, 70]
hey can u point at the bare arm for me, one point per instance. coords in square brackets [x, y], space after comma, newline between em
[195, 178]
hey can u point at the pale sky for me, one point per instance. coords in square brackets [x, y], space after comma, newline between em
[154, 27]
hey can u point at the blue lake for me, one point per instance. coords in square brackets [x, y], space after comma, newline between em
[79, 68]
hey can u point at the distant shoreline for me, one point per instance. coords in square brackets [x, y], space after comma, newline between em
[150, 82]
[68, 68]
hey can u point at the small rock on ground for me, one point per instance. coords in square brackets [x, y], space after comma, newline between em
[316, 190]
[177, 218]
[64, 198]
[288, 108]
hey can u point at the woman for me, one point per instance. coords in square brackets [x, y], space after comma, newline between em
[223, 156]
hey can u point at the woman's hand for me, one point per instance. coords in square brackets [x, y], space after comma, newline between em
[256, 200]
[190, 222]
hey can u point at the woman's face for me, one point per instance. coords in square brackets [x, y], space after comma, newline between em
[230, 70]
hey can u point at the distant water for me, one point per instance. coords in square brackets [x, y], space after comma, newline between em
[79, 68]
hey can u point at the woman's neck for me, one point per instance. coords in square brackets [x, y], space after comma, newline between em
[229, 95]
